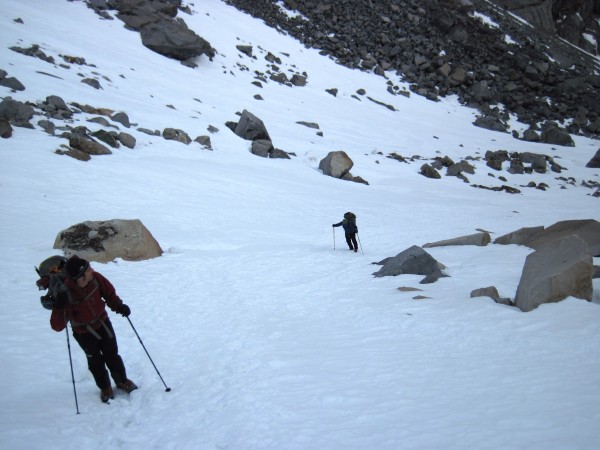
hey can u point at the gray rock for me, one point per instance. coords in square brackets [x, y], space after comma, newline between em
[309, 124]
[429, 172]
[47, 126]
[15, 111]
[126, 139]
[204, 140]
[516, 167]
[245, 49]
[149, 132]
[594, 163]
[107, 137]
[587, 230]
[87, 145]
[174, 134]
[298, 80]
[519, 237]
[531, 136]
[555, 271]
[261, 147]
[121, 118]
[105, 241]
[478, 239]
[279, 154]
[557, 136]
[458, 168]
[336, 164]
[12, 83]
[56, 107]
[175, 40]
[73, 153]
[250, 127]
[413, 260]
[92, 82]
[491, 123]
[102, 121]
[491, 292]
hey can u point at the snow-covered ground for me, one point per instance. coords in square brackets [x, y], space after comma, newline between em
[268, 336]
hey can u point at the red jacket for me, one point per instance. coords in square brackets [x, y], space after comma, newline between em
[88, 307]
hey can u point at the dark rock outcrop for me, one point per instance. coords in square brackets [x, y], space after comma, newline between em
[174, 40]
[442, 48]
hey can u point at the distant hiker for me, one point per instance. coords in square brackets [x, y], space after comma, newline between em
[350, 230]
[83, 305]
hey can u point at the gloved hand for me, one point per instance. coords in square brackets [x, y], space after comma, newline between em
[124, 310]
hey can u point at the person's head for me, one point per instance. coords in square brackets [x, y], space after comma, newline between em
[79, 270]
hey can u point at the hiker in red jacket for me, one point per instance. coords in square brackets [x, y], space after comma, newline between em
[89, 291]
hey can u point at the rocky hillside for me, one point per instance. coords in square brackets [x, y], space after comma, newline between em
[479, 50]
[573, 20]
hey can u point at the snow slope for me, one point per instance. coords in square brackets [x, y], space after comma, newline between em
[270, 337]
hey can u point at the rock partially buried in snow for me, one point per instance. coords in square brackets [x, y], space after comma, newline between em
[413, 260]
[479, 239]
[104, 241]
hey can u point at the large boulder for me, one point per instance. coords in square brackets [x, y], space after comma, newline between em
[15, 112]
[175, 40]
[520, 236]
[87, 145]
[555, 271]
[175, 134]
[251, 128]
[336, 164]
[557, 136]
[413, 260]
[536, 237]
[587, 230]
[104, 241]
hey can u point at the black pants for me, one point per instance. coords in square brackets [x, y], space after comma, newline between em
[102, 353]
[351, 241]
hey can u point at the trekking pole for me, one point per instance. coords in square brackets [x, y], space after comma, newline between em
[72, 373]
[333, 229]
[168, 389]
[360, 244]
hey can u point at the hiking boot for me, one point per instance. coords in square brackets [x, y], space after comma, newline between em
[106, 394]
[355, 250]
[127, 386]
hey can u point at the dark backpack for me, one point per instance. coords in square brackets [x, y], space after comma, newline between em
[52, 275]
[350, 217]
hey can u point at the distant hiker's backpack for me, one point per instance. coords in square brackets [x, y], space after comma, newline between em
[350, 217]
[52, 274]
